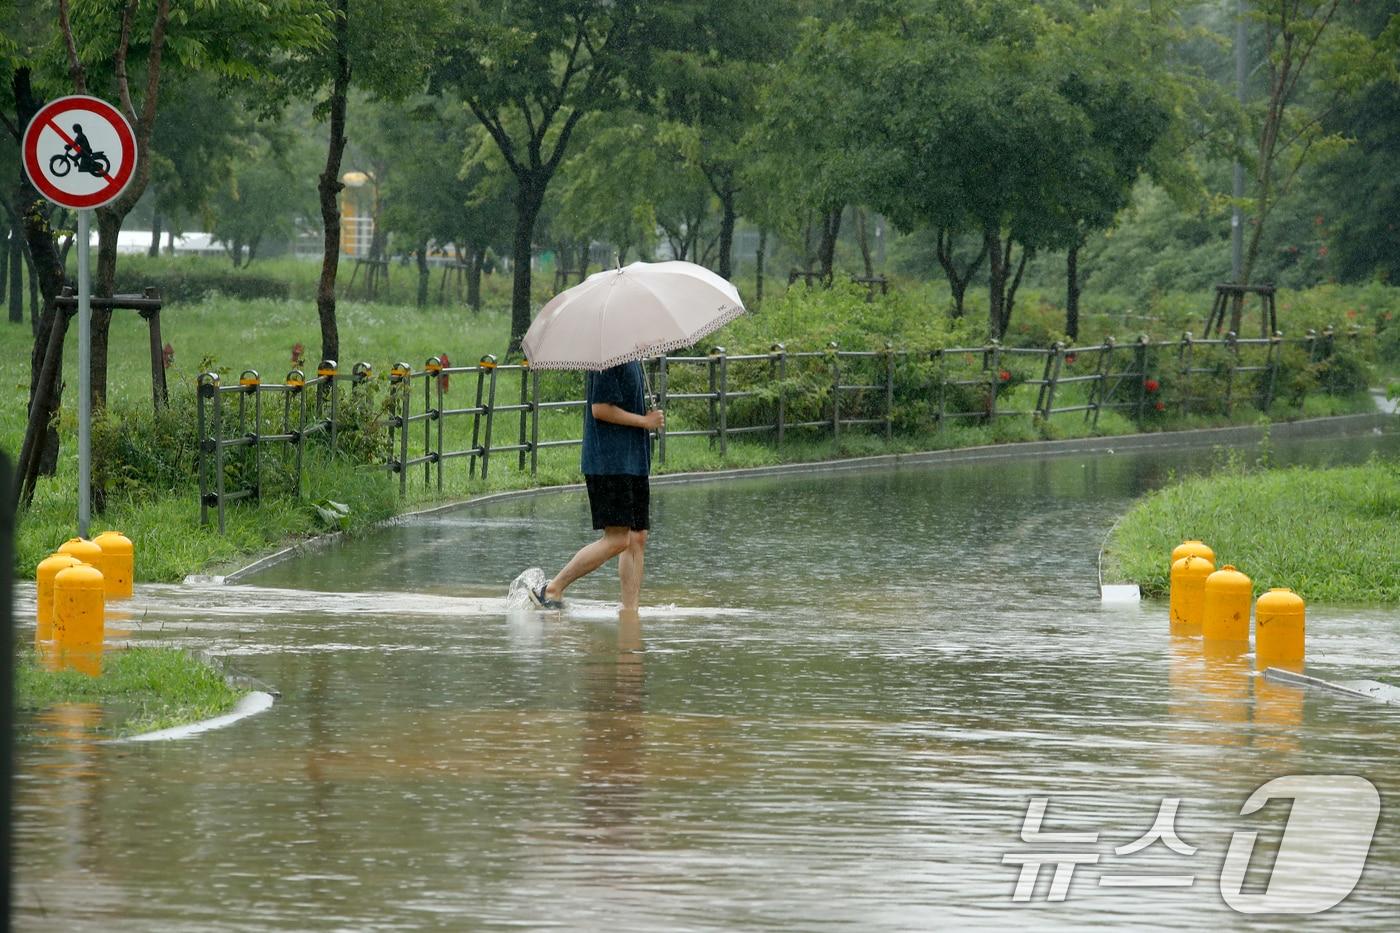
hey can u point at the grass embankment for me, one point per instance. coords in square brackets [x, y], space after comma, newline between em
[153, 495]
[140, 690]
[1331, 535]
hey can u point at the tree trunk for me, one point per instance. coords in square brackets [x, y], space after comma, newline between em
[329, 187]
[474, 264]
[423, 273]
[958, 280]
[996, 283]
[758, 263]
[170, 242]
[109, 225]
[864, 240]
[14, 266]
[46, 272]
[529, 197]
[584, 252]
[1072, 292]
[728, 218]
[154, 250]
[831, 228]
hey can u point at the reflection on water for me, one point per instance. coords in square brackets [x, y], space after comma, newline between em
[835, 711]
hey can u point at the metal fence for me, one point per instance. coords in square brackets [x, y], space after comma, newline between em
[719, 396]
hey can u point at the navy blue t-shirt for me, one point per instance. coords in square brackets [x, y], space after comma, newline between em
[612, 449]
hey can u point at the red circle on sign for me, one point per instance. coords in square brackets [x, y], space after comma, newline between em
[48, 118]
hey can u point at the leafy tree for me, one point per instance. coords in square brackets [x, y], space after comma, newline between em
[265, 194]
[530, 71]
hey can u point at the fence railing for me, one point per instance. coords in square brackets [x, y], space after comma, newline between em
[718, 396]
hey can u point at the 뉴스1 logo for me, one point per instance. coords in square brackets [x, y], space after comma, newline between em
[1323, 852]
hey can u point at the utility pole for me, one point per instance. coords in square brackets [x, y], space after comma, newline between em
[1237, 214]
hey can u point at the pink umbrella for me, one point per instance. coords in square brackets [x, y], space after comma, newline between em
[631, 313]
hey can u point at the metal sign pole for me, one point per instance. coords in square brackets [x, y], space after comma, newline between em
[84, 378]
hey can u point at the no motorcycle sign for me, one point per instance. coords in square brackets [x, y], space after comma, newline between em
[79, 152]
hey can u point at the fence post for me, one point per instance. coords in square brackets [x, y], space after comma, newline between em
[327, 371]
[1140, 361]
[889, 391]
[296, 379]
[714, 401]
[1232, 351]
[834, 353]
[1328, 348]
[1104, 393]
[1051, 378]
[476, 419]
[1310, 341]
[253, 386]
[723, 399]
[992, 355]
[524, 409]
[662, 374]
[534, 422]
[777, 357]
[1185, 356]
[941, 358]
[207, 386]
[400, 376]
[432, 376]
[1275, 351]
[488, 362]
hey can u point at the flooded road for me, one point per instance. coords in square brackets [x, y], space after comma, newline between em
[839, 705]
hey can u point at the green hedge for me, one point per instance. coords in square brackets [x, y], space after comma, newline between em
[193, 285]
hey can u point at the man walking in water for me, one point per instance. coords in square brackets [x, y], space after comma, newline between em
[616, 467]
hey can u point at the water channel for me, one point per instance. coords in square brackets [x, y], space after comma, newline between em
[835, 712]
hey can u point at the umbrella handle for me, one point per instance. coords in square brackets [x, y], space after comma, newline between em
[646, 388]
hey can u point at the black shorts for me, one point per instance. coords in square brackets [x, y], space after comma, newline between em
[620, 500]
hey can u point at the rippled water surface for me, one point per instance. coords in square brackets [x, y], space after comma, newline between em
[834, 713]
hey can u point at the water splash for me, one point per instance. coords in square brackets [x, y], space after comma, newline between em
[518, 596]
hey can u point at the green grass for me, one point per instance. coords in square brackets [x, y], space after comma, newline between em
[1332, 535]
[140, 689]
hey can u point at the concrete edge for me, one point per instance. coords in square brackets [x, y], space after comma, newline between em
[1334, 426]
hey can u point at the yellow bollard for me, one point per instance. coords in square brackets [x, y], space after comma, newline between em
[1188, 590]
[43, 582]
[118, 563]
[1278, 627]
[84, 550]
[1225, 606]
[1192, 548]
[77, 615]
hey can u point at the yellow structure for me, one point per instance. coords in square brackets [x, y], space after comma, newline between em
[83, 549]
[1192, 548]
[118, 563]
[77, 616]
[1225, 606]
[1188, 585]
[1279, 626]
[43, 582]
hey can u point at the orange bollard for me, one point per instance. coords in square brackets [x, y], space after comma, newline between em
[77, 618]
[118, 563]
[1225, 607]
[1192, 547]
[84, 550]
[1279, 625]
[1188, 591]
[43, 583]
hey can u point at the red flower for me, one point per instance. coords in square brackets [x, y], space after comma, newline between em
[1004, 376]
[168, 356]
[298, 353]
[1160, 406]
[1352, 313]
[1318, 220]
[446, 379]
[1322, 251]
[1152, 385]
[1069, 359]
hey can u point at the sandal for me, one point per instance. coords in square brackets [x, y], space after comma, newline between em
[541, 600]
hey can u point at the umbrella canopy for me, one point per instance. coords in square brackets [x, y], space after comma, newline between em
[632, 313]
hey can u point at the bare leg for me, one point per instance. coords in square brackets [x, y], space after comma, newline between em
[629, 568]
[588, 559]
